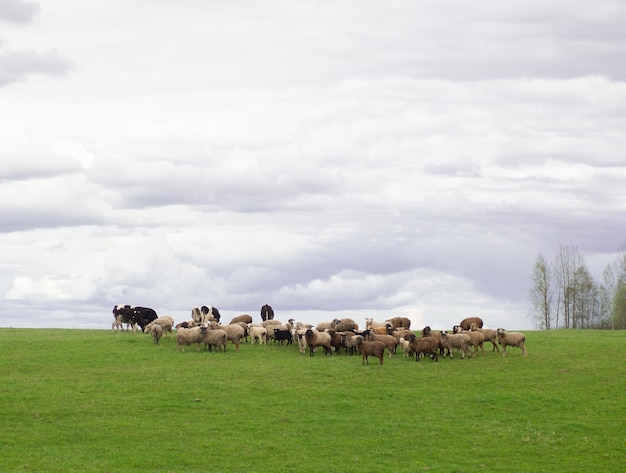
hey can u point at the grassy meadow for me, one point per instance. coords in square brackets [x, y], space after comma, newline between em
[93, 400]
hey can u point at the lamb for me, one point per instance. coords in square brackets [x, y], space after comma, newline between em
[245, 318]
[512, 339]
[270, 330]
[215, 338]
[476, 338]
[424, 346]
[187, 336]
[257, 332]
[374, 348]
[455, 340]
[283, 335]
[157, 332]
[315, 339]
[165, 321]
[467, 323]
[490, 335]
[390, 341]
[406, 346]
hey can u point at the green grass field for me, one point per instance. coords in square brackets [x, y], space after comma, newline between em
[93, 400]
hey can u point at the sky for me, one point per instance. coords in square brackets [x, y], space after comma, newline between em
[329, 158]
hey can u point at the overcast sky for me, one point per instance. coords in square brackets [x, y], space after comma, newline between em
[329, 158]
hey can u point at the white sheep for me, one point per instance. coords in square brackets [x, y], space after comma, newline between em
[257, 332]
[214, 338]
[455, 340]
[187, 336]
[157, 332]
[512, 339]
[165, 321]
[234, 332]
[406, 346]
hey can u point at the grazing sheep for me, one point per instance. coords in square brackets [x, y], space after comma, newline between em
[476, 338]
[512, 339]
[490, 335]
[374, 348]
[187, 336]
[424, 346]
[165, 321]
[455, 340]
[215, 338]
[345, 325]
[400, 332]
[245, 318]
[257, 332]
[157, 332]
[390, 341]
[381, 330]
[316, 339]
[467, 323]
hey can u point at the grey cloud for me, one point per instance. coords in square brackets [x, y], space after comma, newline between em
[16, 66]
[18, 11]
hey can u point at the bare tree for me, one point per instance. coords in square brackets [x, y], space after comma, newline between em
[567, 261]
[541, 293]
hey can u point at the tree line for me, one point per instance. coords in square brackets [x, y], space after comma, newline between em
[564, 294]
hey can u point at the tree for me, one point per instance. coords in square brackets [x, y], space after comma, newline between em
[541, 293]
[568, 261]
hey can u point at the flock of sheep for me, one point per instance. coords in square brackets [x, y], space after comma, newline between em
[336, 336]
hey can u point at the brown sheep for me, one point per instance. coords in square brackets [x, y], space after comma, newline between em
[476, 338]
[390, 341]
[424, 346]
[316, 339]
[455, 340]
[427, 332]
[245, 318]
[374, 348]
[467, 323]
[346, 324]
[396, 322]
[512, 339]
[490, 335]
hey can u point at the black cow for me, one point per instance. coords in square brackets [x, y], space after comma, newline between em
[267, 313]
[142, 316]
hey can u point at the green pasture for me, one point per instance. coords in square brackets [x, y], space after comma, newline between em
[93, 400]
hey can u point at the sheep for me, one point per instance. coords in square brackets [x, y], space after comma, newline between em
[257, 332]
[350, 341]
[185, 324]
[490, 335]
[424, 346]
[369, 323]
[300, 336]
[476, 338]
[271, 331]
[215, 338]
[427, 332]
[346, 324]
[187, 336]
[336, 340]
[325, 326]
[283, 335]
[315, 338]
[399, 332]
[456, 340]
[396, 322]
[157, 332]
[467, 323]
[244, 326]
[245, 318]
[234, 332]
[381, 330]
[390, 341]
[165, 321]
[406, 348]
[373, 348]
[512, 339]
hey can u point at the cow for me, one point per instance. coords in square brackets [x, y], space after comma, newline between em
[142, 316]
[123, 314]
[267, 313]
[211, 313]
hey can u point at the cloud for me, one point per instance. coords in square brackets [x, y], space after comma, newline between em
[16, 66]
[18, 11]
